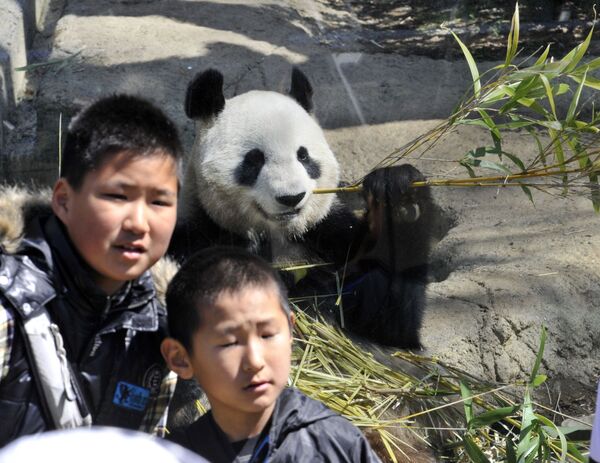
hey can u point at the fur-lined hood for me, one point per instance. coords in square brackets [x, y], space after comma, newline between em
[20, 205]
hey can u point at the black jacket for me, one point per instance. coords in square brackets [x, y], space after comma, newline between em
[112, 342]
[302, 429]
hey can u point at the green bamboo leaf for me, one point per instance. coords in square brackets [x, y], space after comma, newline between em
[571, 59]
[538, 357]
[498, 93]
[474, 452]
[478, 152]
[528, 420]
[559, 153]
[511, 456]
[484, 163]
[583, 158]
[583, 126]
[526, 94]
[513, 37]
[466, 394]
[497, 149]
[489, 123]
[588, 81]
[470, 170]
[575, 101]
[578, 52]
[539, 379]
[477, 122]
[515, 160]
[551, 125]
[492, 416]
[580, 428]
[527, 192]
[534, 105]
[562, 89]
[543, 57]
[574, 451]
[590, 65]
[514, 125]
[549, 94]
[553, 431]
[529, 452]
[541, 151]
[472, 65]
[549, 69]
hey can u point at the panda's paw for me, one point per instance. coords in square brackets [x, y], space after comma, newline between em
[390, 188]
[391, 181]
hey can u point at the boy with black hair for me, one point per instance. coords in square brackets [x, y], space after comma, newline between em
[230, 328]
[80, 323]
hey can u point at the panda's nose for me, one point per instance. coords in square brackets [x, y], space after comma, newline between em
[291, 200]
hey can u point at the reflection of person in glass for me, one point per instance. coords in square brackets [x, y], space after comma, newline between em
[385, 285]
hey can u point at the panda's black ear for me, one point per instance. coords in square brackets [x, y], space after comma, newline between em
[301, 90]
[204, 97]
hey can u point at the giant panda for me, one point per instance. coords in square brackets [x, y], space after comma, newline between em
[249, 181]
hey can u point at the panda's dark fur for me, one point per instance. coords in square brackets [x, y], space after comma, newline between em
[249, 179]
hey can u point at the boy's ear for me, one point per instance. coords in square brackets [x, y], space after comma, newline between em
[177, 358]
[61, 194]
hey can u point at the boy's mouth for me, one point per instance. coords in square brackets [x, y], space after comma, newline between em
[131, 249]
[257, 386]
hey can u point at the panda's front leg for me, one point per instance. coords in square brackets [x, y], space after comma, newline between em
[389, 299]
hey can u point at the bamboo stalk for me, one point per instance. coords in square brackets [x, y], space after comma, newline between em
[473, 181]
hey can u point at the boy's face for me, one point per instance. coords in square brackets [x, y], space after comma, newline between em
[122, 217]
[242, 352]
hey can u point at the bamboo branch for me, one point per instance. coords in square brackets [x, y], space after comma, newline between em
[499, 180]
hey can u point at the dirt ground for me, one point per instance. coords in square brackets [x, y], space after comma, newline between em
[384, 73]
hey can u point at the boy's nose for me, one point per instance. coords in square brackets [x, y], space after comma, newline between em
[137, 219]
[253, 360]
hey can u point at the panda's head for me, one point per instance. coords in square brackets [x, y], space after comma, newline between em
[258, 157]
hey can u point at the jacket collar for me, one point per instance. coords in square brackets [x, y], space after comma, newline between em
[293, 411]
[25, 287]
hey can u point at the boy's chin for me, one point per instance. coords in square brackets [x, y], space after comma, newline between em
[113, 281]
[260, 407]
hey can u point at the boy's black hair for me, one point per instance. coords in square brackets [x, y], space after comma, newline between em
[113, 124]
[208, 274]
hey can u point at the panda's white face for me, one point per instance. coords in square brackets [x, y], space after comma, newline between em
[258, 163]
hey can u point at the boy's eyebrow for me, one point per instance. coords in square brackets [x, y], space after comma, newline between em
[127, 186]
[227, 327]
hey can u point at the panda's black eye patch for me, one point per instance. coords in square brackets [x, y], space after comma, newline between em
[247, 172]
[312, 167]
[302, 154]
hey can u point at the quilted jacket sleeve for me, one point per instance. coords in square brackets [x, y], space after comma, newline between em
[7, 328]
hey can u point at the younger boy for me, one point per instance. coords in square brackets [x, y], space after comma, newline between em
[80, 323]
[230, 327]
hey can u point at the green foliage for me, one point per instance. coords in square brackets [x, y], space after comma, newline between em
[523, 96]
[516, 433]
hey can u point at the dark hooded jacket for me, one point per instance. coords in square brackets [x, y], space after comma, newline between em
[302, 429]
[112, 342]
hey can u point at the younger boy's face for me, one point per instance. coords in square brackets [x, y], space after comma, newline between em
[242, 352]
[122, 217]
